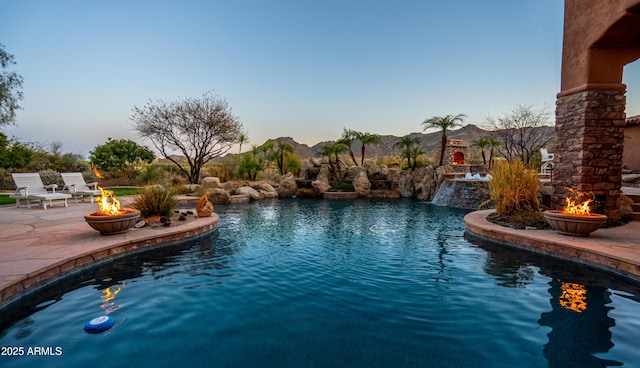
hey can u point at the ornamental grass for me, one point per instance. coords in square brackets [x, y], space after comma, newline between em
[515, 189]
[155, 200]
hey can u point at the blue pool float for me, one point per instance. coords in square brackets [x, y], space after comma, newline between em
[99, 324]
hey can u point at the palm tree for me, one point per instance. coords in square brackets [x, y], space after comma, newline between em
[347, 138]
[415, 152]
[267, 154]
[281, 151]
[333, 150]
[251, 163]
[493, 143]
[242, 138]
[367, 138]
[481, 143]
[443, 123]
[405, 144]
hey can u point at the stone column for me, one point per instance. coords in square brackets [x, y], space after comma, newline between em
[588, 151]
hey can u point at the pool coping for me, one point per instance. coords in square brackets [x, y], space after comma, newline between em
[39, 247]
[614, 250]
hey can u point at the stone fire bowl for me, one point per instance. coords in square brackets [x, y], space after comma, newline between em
[110, 225]
[574, 225]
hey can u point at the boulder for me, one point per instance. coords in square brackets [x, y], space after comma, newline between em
[218, 196]
[315, 161]
[424, 183]
[252, 193]
[383, 170]
[303, 172]
[287, 186]
[405, 184]
[362, 185]
[211, 181]
[372, 168]
[319, 187]
[231, 186]
[342, 169]
[324, 174]
[352, 172]
[267, 190]
[268, 194]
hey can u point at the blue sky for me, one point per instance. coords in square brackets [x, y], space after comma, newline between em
[304, 69]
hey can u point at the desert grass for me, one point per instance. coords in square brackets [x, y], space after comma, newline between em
[514, 189]
[155, 200]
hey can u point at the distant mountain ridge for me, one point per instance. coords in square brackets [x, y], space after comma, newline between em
[430, 142]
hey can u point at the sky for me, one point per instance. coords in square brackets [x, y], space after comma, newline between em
[301, 69]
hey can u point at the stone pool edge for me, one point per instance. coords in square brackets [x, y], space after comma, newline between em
[608, 250]
[145, 239]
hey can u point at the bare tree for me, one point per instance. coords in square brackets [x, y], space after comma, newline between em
[198, 129]
[521, 132]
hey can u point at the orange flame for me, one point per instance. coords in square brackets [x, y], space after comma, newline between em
[575, 203]
[573, 208]
[96, 172]
[108, 204]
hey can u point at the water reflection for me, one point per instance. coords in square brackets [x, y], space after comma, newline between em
[579, 317]
[580, 326]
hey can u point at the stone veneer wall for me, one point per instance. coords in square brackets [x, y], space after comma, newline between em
[449, 150]
[589, 142]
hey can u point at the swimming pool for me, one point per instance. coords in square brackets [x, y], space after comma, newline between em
[359, 283]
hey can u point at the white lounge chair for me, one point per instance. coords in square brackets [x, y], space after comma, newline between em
[547, 161]
[30, 188]
[74, 184]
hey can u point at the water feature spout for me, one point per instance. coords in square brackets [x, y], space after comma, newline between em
[468, 192]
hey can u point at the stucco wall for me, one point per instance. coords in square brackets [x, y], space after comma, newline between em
[600, 37]
[631, 153]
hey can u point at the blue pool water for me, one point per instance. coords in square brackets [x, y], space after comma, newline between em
[305, 283]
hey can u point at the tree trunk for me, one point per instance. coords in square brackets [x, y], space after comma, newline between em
[484, 158]
[363, 148]
[353, 157]
[491, 157]
[443, 146]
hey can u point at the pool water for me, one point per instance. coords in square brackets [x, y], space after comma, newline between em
[308, 283]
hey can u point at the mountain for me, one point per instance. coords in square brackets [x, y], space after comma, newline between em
[430, 142]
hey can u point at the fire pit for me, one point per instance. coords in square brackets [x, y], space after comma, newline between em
[110, 219]
[576, 218]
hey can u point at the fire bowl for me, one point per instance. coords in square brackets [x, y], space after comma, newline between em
[110, 225]
[575, 225]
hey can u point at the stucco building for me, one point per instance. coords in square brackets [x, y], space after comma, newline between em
[600, 38]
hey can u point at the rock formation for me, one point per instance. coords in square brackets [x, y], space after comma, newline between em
[252, 193]
[362, 185]
[288, 186]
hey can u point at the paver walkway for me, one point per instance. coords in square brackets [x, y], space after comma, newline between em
[38, 245]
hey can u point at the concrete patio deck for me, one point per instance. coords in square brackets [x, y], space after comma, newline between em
[38, 246]
[615, 249]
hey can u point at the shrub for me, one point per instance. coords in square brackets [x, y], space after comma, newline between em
[342, 187]
[155, 200]
[515, 189]
[49, 176]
